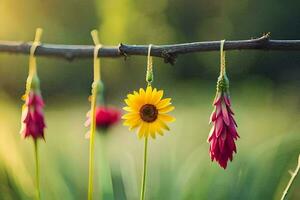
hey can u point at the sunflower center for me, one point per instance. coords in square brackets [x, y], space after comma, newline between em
[148, 113]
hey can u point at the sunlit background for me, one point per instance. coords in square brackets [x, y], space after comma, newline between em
[264, 91]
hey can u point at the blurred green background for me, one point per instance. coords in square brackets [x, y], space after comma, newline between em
[264, 91]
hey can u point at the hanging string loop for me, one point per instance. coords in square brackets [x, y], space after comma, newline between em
[97, 48]
[149, 73]
[222, 59]
[223, 82]
[32, 63]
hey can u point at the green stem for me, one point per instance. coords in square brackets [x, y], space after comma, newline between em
[142, 197]
[92, 142]
[294, 175]
[104, 169]
[37, 170]
[91, 166]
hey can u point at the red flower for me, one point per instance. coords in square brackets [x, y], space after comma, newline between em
[105, 117]
[223, 133]
[33, 122]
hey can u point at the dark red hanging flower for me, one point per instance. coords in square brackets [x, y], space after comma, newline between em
[223, 133]
[106, 117]
[33, 122]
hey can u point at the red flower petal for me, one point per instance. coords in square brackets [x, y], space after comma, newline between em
[33, 117]
[227, 100]
[223, 134]
[217, 98]
[225, 114]
[219, 126]
[212, 117]
[105, 117]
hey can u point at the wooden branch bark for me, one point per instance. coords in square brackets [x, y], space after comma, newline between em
[168, 52]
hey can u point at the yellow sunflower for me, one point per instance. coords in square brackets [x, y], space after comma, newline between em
[147, 111]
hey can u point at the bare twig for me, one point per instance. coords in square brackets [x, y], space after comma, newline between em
[168, 52]
[293, 174]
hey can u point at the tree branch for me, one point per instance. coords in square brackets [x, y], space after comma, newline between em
[168, 52]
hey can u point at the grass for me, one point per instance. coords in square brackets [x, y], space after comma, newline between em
[179, 165]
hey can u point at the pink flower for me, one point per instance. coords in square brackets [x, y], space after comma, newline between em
[33, 122]
[223, 133]
[105, 117]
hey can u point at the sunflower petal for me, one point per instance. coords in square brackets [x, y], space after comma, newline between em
[147, 127]
[134, 126]
[166, 109]
[158, 96]
[127, 102]
[128, 122]
[130, 103]
[148, 94]
[135, 105]
[166, 118]
[131, 97]
[163, 103]
[142, 130]
[130, 116]
[152, 129]
[163, 125]
[133, 123]
[153, 95]
[160, 132]
[128, 109]
[142, 91]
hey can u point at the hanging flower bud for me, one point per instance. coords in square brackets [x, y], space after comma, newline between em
[223, 134]
[106, 117]
[33, 122]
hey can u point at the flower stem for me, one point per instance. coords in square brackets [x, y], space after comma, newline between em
[91, 169]
[143, 186]
[95, 88]
[37, 170]
[92, 148]
[105, 179]
[294, 175]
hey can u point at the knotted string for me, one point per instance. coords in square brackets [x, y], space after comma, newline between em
[222, 59]
[149, 73]
[32, 59]
[98, 46]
